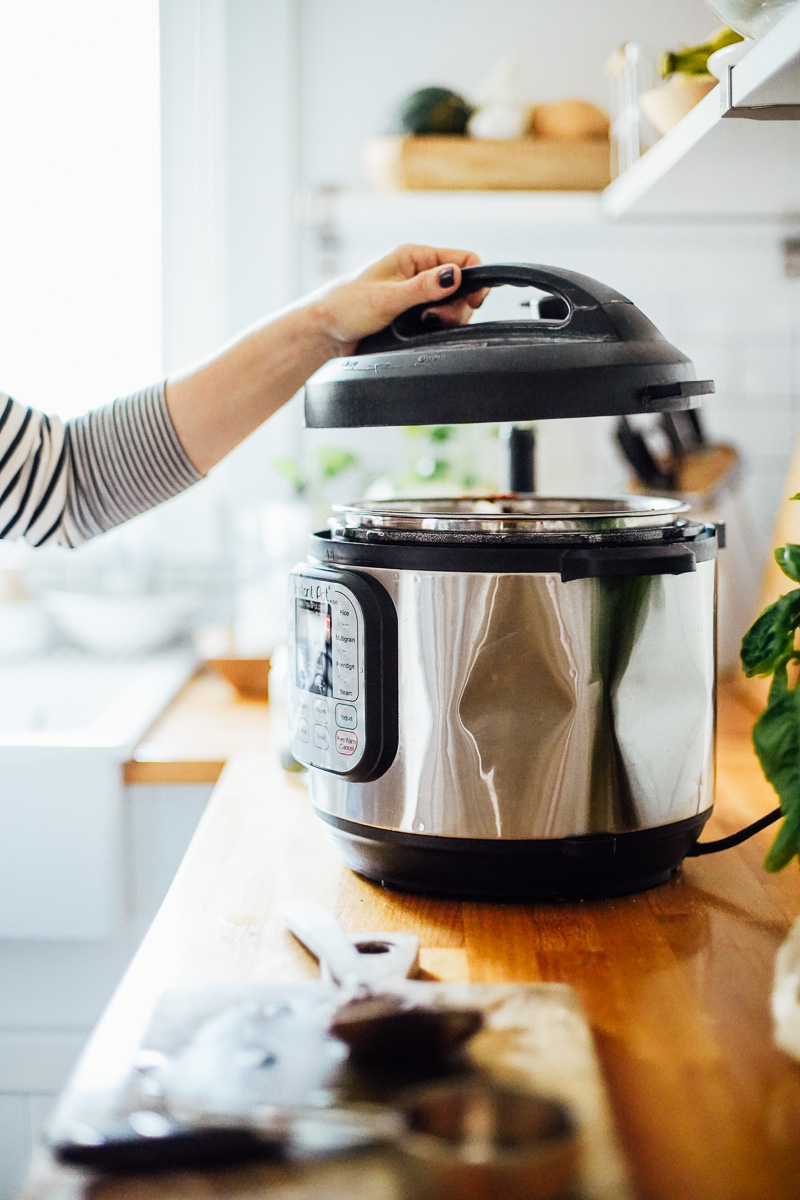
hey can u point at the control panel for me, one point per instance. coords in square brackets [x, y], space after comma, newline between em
[339, 633]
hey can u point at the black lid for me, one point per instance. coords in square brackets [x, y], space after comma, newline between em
[604, 358]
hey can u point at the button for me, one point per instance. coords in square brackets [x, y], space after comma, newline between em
[303, 707]
[345, 674]
[321, 710]
[346, 716]
[321, 737]
[345, 642]
[346, 742]
[344, 610]
[302, 729]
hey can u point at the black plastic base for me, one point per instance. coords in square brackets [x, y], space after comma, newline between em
[576, 868]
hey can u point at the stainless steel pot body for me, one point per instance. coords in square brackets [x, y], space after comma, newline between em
[532, 708]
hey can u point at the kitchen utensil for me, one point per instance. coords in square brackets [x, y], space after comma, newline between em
[377, 1018]
[148, 1141]
[489, 691]
[476, 1140]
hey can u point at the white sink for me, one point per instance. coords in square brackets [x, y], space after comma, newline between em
[74, 699]
[67, 724]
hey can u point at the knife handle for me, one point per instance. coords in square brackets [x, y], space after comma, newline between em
[368, 960]
[122, 1149]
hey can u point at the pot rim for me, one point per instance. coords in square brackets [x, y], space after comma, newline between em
[493, 514]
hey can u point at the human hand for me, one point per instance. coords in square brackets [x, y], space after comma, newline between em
[410, 275]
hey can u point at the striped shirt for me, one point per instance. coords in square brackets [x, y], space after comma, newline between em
[62, 483]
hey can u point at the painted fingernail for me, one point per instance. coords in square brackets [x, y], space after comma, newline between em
[447, 277]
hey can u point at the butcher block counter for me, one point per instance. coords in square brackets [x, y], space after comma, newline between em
[675, 982]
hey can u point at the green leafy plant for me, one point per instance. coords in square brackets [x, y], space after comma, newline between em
[324, 463]
[768, 648]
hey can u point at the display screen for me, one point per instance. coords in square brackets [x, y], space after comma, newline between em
[313, 669]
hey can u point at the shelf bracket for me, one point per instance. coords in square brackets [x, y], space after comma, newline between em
[752, 112]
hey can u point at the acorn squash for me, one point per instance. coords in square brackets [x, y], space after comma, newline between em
[432, 110]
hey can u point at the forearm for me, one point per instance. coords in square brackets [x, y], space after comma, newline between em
[61, 484]
[216, 405]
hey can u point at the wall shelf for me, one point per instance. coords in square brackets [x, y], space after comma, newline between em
[368, 211]
[733, 155]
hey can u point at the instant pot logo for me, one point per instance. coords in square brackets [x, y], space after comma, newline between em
[312, 589]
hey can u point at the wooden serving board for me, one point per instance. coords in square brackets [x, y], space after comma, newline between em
[535, 1037]
[525, 163]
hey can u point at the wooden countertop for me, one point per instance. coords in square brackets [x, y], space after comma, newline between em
[675, 981]
[205, 724]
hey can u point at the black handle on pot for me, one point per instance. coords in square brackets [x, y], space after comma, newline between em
[598, 562]
[585, 299]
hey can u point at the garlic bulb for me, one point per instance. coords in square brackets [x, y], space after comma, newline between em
[501, 111]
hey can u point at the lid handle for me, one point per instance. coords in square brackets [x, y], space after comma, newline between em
[580, 291]
[585, 299]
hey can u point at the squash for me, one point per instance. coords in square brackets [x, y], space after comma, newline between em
[432, 110]
[569, 120]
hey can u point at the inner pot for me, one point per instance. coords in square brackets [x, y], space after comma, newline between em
[486, 518]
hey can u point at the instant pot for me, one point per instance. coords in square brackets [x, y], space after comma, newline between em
[512, 695]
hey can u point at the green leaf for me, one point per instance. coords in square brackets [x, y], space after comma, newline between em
[796, 496]
[788, 559]
[432, 470]
[786, 844]
[332, 460]
[776, 738]
[770, 638]
[290, 469]
[441, 433]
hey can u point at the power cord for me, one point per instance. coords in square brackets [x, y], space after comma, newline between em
[735, 838]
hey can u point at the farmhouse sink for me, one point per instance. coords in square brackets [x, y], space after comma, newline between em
[68, 722]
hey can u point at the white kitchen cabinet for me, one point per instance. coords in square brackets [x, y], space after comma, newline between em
[52, 991]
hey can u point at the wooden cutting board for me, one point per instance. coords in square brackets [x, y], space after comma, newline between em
[535, 1037]
[525, 163]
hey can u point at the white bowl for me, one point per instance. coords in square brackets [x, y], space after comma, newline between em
[121, 624]
[751, 18]
[668, 104]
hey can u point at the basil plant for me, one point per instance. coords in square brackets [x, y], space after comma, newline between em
[768, 648]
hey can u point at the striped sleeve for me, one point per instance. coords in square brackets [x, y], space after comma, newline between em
[63, 483]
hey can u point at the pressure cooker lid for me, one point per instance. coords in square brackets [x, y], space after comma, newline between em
[597, 356]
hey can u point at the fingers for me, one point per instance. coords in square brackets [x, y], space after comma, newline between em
[458, 312]
[409, 276]
[407, 261]
[428, 287]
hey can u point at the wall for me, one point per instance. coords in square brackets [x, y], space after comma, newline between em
[360, 58]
